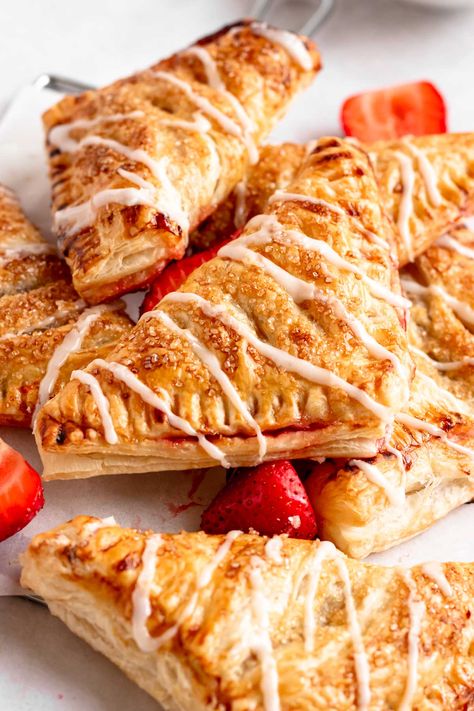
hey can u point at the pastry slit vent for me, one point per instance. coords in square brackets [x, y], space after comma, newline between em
[215, 81]
[211, 362]
[435, 431]
[261, 639]
[289, 42]
[125, 375]
[460, 308]
[227, 124]
[427, 173]
[443, 365]
[283, 196]
[141, 596]
[394, 494]
[269, 230]
[300, 290]
[281, 358]
[101, 402]
[449, 242]
[405, 210]
[416, 608]
[327, 550]
[72, 343]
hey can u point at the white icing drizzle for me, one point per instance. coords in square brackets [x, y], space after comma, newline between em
[454, 401]
[125, 375]
[395, 494]
[393, 450]
[20, 251]
[262, 643]
[435, 572]
[450, 242]
[417, 610]
[417, 424]
[226, 123]
[270, 230]
[93, 526]
[460, 308]
[405, 210]
[427, 172]
[211, 362]
[446, 365]
[290, 42]
[215, 82]
[101, 402]
[60, 136]
[361, 661]
[141, 603]
[71, 343]
[281, 358]
[325, 549]
[300, 290]
[241, 211]
[59, 315]
[273, 550]
[141, 594]
[199, 124]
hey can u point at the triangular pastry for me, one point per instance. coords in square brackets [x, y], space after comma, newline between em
[46, 331]
[245, 622]
[428, 467]
[427, 183]
[136, 165]
[291, 343]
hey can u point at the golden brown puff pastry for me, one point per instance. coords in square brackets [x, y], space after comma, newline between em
[422, 476]
[245, 622]
[426, 184]
[136, 165]
[46, 331]
[289, 344]
[27, 261]
[276, 168]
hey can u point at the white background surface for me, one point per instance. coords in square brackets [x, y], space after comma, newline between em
[364, 44]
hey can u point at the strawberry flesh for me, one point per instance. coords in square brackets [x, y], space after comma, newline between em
[414, 109]
[21, 492]
[269, 498]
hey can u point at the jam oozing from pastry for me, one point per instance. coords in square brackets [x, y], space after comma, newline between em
[226, 123]
[417, 610]
[215, 82]
[141, 596]
[101, 402]
[261, 642]
[283, 359]
[291, 43]
[211, 362]
[395, 495]
[434, 571]
[70, 344]
[121, 372]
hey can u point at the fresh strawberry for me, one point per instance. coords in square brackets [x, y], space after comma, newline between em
[176, 274]
[417, 109]
[21, 493]
[269, 498]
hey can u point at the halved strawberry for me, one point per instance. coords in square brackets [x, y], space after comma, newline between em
[176, 274]
[417, 109]
[269, 498]
[21, 492]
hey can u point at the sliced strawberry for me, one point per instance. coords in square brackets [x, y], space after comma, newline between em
[417, 109]
[269, 498]
[21, 492]
[176, 274]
